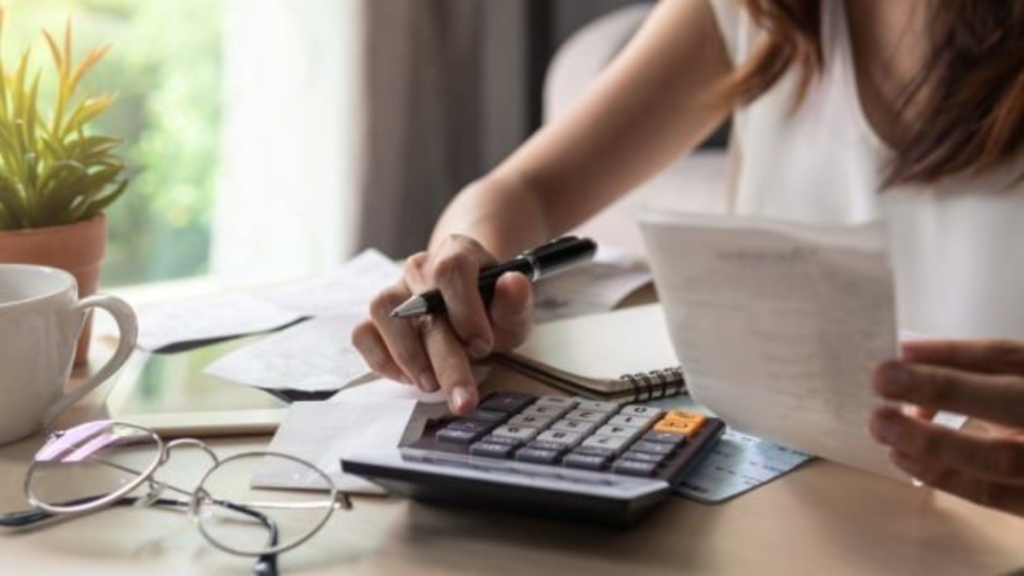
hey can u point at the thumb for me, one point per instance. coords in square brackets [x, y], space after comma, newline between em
[511, 310]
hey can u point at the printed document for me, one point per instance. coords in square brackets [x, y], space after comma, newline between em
[779, 326]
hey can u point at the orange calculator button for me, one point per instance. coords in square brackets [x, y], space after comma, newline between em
[680, 422]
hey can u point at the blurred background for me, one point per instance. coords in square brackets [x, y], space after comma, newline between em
[272, 139]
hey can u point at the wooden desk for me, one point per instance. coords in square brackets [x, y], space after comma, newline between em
[824, 519]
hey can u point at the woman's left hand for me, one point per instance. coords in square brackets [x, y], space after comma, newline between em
[980, 379]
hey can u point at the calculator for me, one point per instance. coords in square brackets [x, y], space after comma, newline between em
[566, 457]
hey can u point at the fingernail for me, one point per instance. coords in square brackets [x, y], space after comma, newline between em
[427, 381]
[460, 400]
[478, 348]
[895, 378]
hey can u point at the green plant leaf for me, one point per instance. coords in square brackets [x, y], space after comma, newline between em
[10, 199]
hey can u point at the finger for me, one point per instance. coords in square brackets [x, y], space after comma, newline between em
[455, 270]
[992, 457]
[451, 365]
[401, 337]
[992, 356]
[511, 310]
[415, 274]
[1007, 497]
[371, 346]
[999, 398]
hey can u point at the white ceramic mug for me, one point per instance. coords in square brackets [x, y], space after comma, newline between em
[40, 320]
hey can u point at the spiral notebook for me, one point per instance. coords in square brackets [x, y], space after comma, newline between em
[622, 355]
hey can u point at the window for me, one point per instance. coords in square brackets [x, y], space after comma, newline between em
[165, 67]
[239, 122]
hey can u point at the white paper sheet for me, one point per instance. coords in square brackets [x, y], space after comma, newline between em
[591, 288]
[347, 290]
[779, 327]
[208, 318]
[314, 356]
[323, 432]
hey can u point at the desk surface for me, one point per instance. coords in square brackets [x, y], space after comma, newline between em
[822, 519]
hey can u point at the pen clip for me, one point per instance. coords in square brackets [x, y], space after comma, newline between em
[552, 245]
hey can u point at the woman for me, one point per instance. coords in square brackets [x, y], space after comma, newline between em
[843, 111]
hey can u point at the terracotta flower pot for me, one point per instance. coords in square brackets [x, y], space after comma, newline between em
[77, 248]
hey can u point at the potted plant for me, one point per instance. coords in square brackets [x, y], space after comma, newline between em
[56, 175]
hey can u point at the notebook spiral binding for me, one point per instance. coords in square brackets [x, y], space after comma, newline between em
[667, 382]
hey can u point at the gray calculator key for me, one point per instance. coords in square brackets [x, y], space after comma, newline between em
[627, 432]
[545, 411]
[665, 438]
[634, 468]
[488, 416]
[470, 425]
[587, 416]
[653, 447]
[634, 421]
[530, 420]
[557, 436]
[644, 456]
[615, 443]
[491, 450]
[597, 406]
[641, 410]
[559, 401]
[537, 456]
[544, 445]
[522, 433]
[455, 436]
[585, 461]
[594, 450]
[492, 439]
[506, 402]
[576, 426]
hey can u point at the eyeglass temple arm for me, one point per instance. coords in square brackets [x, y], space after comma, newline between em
[35, 515]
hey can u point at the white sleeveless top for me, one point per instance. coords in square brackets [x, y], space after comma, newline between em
[957, 247]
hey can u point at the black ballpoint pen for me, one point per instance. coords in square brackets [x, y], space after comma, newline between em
[540, 262]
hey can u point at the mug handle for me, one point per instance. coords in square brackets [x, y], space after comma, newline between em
[127, 326]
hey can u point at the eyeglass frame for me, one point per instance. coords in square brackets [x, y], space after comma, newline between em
[337, 499]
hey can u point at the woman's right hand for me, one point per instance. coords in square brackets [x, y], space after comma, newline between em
[434, 352]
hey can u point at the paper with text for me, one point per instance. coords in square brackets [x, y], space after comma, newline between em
[597, 286]
[314, 356]
[779, 327]
[210, 318]
[346, 290]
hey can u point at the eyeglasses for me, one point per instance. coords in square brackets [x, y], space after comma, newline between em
[101, 464]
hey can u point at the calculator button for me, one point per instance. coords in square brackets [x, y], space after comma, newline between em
[627, 432]
[506, 402]
[653, 447]
[559, 437]
[681, 422]
[522, 433]
[640, 410]
[545, 411]
[614, 443]
[586, 461]
[587, 416]
[634, 421]
[545, 445]
[665, 438]
[530, 420]
[597, 406]
[488, 416]
[559, 401]
[492, 439]
[454, 436]
[644, 456]
[491, 450]
[576, 426]
[470, 426]
[590, 450]
[634, 468]
[538, 456]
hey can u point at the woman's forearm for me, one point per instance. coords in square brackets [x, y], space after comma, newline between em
[501, 213]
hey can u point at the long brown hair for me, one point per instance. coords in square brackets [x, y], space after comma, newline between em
[974, 73]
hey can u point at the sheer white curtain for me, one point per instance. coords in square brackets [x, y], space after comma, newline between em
[286, 204]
